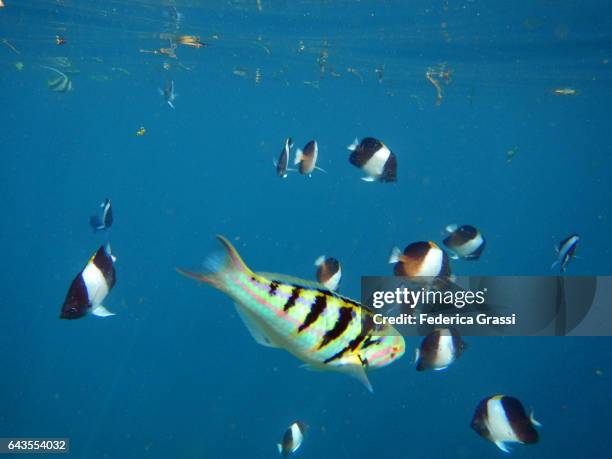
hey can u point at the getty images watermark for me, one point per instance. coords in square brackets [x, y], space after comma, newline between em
[492, 305]
[434, 301]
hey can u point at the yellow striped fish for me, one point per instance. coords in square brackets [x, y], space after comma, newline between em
[322, 328]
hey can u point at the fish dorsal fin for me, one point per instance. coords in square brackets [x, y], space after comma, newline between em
[292, 280]
[255, 328]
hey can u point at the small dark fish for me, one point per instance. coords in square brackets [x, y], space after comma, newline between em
[565, 251]
[465, 242]
[329, 272]
[169, 94]
[91, 286]
[293, 438]
[502, 419]
[283, 159]
[439, 349]
[375, 159]
[105, 222]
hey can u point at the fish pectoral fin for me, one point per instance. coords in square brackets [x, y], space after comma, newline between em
[368, 179]
[101, 311]
[255, 328]
[357, 371]
[501, 445]
[280, 448]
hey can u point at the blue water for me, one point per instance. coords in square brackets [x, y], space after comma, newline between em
[175, 373]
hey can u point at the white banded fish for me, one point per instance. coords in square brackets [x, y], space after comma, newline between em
[91, 286]
[465, 241]
[99, 224]
[321, 328]
[502, 419]
[375, 159]
[292, 439]
[439, 349]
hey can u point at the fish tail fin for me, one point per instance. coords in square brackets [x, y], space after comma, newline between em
[219, 266]
[396, 253]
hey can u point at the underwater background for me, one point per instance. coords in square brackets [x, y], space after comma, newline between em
[175, 373]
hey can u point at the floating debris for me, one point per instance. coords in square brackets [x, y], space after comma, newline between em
[258, 76]
[379, 71]
[60, 84]
[142, 131]
[169, 94]
[19, 65]
[301, 46]
[10, 46]
[169, 51]
[434, 75]
[191, 40]
[59, 40]
[322, 59]
[565, 92]
[355, 72]
[121, 70]
[510, 154]
[242, 73]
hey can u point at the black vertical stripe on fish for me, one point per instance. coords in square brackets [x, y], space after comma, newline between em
[273, 287]
[390, 170]
[367, 325]
[77, 299]
[345, 316]
[317, 308]
[518, 419]
[104, 262]
[295, 294]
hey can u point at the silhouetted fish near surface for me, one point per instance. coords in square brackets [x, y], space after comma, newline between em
[59, 84]
[306, 159]
[169, 93]
[322, 328]
[104, 222]
[565, 251]
[283, 160]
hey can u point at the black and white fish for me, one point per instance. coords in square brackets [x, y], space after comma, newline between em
[91, 286]
[565, 251]
[464, 241]
[375, 159]
[169, 94]
[439, 349]
[293, 438]
[423, 259]
[502, 419]
[59, 84]
[283, 160]
[306, 159]
[329, 272]
[104, 222]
